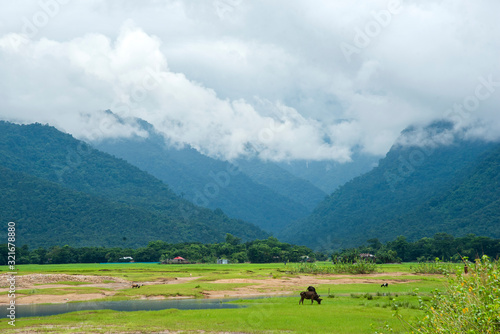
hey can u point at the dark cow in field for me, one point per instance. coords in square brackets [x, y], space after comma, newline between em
[311, 288]
[385, 285]
[135, 285]
[313, 296]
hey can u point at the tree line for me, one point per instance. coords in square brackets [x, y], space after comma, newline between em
[257, 251]
[442, 245]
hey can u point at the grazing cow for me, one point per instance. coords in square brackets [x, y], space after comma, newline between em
[385, 285]
[311, 288]
[313, 296]
[135, 285]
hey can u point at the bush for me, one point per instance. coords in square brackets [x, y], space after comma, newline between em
[470, 304]
[360, 267]
[436, 267]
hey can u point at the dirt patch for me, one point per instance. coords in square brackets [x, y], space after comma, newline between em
[291, 285]
[70, 297]
[48, 281]
[35, 280]
[258, 287]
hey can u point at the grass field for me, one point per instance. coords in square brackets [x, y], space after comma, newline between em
[355, 307]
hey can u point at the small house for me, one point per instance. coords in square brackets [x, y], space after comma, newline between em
[367, 256]
[179, 260]
[175, 260]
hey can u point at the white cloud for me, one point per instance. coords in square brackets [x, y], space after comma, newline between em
[232, 77]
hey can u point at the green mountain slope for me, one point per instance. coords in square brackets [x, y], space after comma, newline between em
[387, 201]
[471, 206]
[270, 198]
[47, 214]
[329, 175]
[283, 182]
[44, 154]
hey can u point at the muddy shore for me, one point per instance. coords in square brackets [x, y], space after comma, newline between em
[257, 287]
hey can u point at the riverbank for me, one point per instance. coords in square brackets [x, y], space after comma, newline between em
[62, 288]
[351, 303]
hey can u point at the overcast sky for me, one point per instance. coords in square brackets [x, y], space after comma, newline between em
[289, 80]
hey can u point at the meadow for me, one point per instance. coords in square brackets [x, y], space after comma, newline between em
[351, 303]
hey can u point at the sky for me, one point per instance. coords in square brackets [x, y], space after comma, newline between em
[283, 80]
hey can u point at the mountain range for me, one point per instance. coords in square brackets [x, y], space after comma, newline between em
[128, 192]
[415, 191]
[60, 190]
[261, 193]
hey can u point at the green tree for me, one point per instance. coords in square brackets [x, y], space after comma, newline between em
[401, 246]
[385, 255]
[260, 253]
[232, 240]
[239, 257]
[63, 254]
[444, 246]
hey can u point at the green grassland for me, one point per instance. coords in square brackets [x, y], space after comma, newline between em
[270, 315]
[346, 308]
[151, 271]
[173, 290]
[139, 272]
[58, 291]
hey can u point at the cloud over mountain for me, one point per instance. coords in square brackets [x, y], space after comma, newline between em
[286, 81]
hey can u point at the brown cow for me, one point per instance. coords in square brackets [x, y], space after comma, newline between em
[313, 296]
[135, 285]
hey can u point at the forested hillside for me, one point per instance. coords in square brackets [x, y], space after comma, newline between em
[329, 175]
[470, 206]
[415, 191]
[283, 182]
[57, 188]
[260, 193]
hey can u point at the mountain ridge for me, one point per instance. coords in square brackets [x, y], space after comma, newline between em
[362, 208]
[263, 194]
[44, 154]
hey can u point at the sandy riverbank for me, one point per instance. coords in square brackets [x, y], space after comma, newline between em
[257, 287]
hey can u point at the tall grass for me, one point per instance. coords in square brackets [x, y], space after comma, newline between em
[361, 267]
[436, 267]
[470, 304]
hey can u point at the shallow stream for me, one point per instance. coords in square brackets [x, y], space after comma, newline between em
[37, 310]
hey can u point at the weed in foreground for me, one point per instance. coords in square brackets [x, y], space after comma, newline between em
[470, 304]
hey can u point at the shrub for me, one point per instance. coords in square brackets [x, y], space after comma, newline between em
[470, 304]
[360, 267]
[436, 267]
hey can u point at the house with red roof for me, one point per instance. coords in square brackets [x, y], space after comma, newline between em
[176, 260]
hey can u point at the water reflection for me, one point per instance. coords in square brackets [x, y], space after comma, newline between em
[36, 310]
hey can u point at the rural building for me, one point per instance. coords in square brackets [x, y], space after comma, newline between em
[176, 260]
[367, 256]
